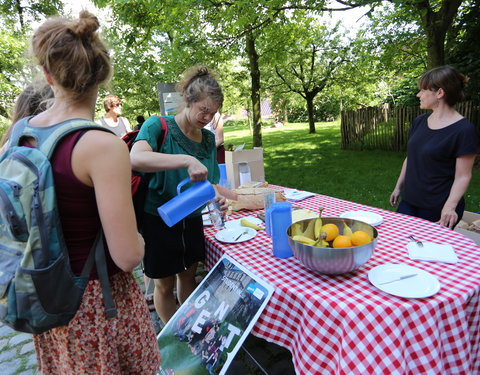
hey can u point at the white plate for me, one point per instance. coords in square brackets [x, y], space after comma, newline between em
[365, 216]
[233, 235]
[234, 224]
[422, 285]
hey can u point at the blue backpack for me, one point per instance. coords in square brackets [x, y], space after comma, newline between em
[38, 290]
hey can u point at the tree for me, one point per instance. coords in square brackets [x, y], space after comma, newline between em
[20, 14]
[228, 27]
[311, 60]
[462, 46]
[15, 20]
[435, 18]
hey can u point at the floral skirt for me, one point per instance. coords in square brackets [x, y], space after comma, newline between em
[93, 344]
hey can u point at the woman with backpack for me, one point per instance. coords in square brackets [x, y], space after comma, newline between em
[189, 150]
[92, 181]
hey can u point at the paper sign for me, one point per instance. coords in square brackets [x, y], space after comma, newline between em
[209, 328]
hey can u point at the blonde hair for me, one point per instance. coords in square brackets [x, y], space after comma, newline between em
[198, 83]
[72, 52]
[109, 101]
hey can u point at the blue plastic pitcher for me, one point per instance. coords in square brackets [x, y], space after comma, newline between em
[223, 176]
[280, 219]
[186, 201]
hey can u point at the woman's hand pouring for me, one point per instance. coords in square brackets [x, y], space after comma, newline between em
[196, 170]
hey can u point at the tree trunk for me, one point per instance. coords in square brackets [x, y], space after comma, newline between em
[436, 25]
[435, 47]
[255, 89]
[311, 118]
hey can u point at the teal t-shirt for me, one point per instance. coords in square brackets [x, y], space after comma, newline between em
[163, 185]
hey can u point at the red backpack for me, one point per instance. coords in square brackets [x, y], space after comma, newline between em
[139, 179]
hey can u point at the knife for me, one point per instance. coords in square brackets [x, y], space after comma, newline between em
[399, 279]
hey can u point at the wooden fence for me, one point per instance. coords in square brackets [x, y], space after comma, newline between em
[386, 128]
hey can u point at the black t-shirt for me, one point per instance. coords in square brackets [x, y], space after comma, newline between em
[431, 160]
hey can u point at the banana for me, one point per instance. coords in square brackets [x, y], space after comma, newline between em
[318, 228]
[246, 223]
[303, 239]
[346, 230]
[309, 231]
[296, 229]
[321, 243]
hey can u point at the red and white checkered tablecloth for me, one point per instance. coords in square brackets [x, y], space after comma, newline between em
[344, 325]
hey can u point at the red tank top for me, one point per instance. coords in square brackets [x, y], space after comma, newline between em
[77, 207]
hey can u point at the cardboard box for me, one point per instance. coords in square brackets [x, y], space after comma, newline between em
[469, 218]
[253, 158]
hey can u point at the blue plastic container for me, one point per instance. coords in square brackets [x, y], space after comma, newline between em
[223, 176]
[280, 219]
[186, 202]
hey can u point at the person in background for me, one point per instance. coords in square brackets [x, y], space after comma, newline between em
[440, 153]
[92, 181]
[35, 98]
[140, 121]
[113, 119]
[172, 253]
[216, 127]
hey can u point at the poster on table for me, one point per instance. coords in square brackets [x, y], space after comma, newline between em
[209, 328]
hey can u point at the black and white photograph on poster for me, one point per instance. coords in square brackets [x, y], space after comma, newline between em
[209, 328]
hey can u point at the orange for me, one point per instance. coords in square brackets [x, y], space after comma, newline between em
[360, 238]
[342, 241]
[331, 231]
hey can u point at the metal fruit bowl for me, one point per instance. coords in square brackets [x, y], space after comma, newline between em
[334, 261]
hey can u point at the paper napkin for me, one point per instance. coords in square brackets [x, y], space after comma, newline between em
[297, 195]
[432, 252]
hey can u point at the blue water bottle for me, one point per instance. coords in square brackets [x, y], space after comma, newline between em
[280, 220]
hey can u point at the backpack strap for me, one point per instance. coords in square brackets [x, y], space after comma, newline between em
[97, 256]
[47, 145]
[47, 137]
[164, 132]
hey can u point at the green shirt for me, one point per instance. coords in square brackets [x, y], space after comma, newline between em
[163, 184]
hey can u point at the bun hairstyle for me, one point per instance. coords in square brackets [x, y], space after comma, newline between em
[447, 78]
[198, 83]
[71, 50]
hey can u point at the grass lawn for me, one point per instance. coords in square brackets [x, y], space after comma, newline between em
[316, 162]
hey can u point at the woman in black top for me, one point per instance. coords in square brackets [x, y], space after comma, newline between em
[440, 153]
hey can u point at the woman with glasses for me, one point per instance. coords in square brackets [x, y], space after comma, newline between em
[113, 119]
[189, 150]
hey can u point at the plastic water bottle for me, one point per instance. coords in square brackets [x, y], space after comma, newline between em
[280, 220]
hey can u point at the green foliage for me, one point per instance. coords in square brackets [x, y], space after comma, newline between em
[462, 46]
[403, 94]
[20, 14]
[326, 108]
[12, 62]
